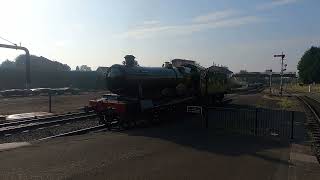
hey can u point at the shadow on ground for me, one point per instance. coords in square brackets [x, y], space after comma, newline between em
[189, 131]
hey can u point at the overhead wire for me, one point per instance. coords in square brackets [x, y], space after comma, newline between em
[8, 41]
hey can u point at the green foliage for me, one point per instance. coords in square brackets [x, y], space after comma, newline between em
[286, 103]
[15, 79]
[41, 63]
[47, 73]
[85, 68]
[8, 64]
[303, 88]
[309, 66]
[243, 71]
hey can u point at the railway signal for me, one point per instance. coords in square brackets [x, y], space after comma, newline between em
[283, 68]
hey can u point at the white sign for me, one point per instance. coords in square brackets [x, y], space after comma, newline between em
[194, 109]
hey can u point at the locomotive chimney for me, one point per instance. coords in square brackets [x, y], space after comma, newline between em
[129, 60]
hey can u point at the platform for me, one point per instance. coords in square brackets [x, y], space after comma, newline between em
[13, 145]
[27, 115]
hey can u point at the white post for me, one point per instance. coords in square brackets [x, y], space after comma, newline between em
[309, 88]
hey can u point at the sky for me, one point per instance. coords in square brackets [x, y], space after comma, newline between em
[239, 34]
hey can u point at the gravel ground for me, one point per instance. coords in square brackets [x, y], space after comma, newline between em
[48, 131]
[60, 104]
[315, 96]
[264, 100]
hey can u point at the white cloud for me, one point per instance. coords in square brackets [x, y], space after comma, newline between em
[214, 16]
[275, 3]
[151, 22]
[61, 43]
[199, 23]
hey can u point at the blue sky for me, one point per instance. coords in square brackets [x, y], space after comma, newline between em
[241, 34]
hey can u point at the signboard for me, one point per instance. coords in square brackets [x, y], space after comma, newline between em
[194, 109]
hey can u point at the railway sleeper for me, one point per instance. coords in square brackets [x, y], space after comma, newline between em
[312, 123]
[113, 120]
[317, 134]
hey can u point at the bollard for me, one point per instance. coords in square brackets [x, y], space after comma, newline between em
[256, 123]
[207, 117]
[292, 123]
[204, 116]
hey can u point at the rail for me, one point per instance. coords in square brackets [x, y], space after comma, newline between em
[313, 121]
[43, 119]
[31, 126]
[77, 132]
[313, 105]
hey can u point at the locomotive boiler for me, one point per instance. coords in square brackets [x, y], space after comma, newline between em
[152, 82]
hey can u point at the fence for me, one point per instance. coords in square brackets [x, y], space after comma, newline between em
[15, 79]
[256, 121]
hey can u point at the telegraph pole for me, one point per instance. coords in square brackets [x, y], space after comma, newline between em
[283, 68]
[270, 79]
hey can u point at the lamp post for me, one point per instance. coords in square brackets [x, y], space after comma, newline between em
[28, 79]
[270, 79]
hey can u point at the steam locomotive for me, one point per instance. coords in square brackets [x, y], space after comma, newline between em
[145, 90]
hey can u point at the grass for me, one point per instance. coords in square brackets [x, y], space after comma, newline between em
[286, 103]
[283, 103]
[303, 88]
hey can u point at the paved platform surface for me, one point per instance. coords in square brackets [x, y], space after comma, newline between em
[14, 145]
[27, 115]
[171, 151]
[303, 164]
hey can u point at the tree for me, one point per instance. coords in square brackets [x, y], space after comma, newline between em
[309, 66]
[243, 72]
[40, 63]
[8, 64]
[85, 68]
[77, 68]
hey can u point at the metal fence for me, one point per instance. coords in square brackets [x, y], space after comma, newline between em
[257, 122]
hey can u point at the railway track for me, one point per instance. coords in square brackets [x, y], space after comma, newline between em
[36, 123]
[312, 110]
[43, 119]
[76, 132]
[31, 124]
[103, 127]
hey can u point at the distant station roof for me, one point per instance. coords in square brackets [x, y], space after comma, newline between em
[222, 69]
[180, 62]
[102, 69]
[264, 74]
